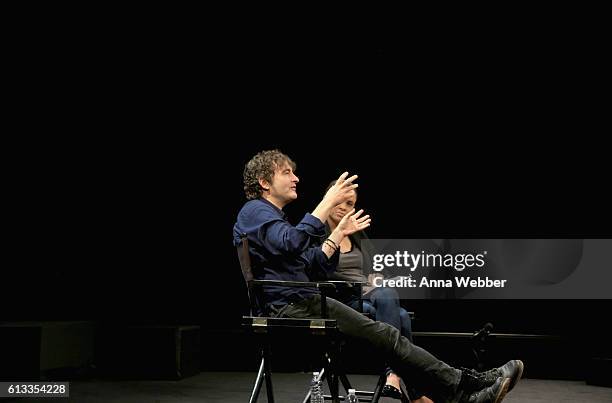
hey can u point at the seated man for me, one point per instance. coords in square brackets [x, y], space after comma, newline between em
[280, 251]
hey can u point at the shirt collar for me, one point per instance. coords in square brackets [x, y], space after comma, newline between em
[281, 212]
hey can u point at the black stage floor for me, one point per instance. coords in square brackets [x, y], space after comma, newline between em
[230, 387]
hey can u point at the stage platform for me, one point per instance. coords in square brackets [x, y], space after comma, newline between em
[235, 387]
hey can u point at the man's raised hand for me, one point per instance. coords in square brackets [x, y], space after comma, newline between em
[352, 222]
[341, 190]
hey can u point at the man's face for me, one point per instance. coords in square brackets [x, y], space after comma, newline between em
[284, 183]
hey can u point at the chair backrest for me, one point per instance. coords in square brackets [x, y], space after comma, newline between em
[247, 272]
[245, 258]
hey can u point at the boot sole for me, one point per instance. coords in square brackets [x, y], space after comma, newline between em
[515, 380]
[503, 390]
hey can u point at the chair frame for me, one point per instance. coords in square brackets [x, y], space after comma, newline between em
[258, 322]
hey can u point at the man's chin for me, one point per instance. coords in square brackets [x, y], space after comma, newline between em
[291, 196]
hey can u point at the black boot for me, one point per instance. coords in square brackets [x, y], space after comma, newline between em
[491, 394]
[513, 370]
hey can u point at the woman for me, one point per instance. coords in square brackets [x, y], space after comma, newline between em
[382, 304]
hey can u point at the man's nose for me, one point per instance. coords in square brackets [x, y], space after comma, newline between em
[296, 179]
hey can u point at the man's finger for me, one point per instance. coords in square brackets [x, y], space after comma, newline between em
[341, 177]
[350, 180]
[360, 212]
[362, 219]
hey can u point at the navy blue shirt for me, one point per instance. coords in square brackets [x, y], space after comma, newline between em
[280, 251]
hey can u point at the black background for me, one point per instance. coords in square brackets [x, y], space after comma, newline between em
[124, 206]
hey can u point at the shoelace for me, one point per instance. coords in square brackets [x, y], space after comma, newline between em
[487, 376]
[491, 374]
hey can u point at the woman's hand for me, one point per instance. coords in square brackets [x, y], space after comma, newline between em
[351, 223]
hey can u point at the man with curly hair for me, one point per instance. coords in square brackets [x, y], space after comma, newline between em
[280, 251]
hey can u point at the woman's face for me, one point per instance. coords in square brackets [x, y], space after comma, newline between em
[341, 209]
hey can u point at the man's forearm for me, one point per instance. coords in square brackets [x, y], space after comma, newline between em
[322, 211]
[336, 236]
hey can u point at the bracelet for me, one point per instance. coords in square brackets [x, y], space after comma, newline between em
[331, 245]
[330, 240]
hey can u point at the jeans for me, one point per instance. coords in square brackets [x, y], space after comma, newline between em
[439, 380]
[383, 304]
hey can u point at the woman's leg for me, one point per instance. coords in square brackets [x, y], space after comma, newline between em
[406, 324]
[388, 310]
[369, 309]
[386, 302]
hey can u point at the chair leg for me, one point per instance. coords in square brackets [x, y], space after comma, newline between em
[258, 380]
[333, 388]
[345, 382]
[404, 390]
[379, 387]
[341, 375]
[268, 375]
[332, 377]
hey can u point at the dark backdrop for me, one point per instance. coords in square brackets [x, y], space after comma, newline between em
[144, 233]
[129, 216]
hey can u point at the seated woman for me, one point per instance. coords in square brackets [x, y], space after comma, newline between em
[382, 304]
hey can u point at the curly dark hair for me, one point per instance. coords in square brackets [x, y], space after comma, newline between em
[262, 166]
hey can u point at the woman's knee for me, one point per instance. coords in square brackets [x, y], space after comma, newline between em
[386, 296]
[405, 315]
[406, 323]
[387, 293]
[369, 310]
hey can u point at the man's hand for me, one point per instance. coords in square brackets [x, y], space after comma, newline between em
[351, 223]
[341, 191]
[337, 194]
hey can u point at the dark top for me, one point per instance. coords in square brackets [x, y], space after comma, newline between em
[350, 265]
[360, 240]
[280, 251]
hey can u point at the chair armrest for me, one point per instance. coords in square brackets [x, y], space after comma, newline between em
[311, 284]
[321, 285]
[313, 323]
[347, 283]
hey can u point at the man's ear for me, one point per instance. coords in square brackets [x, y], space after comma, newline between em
[265, 185]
